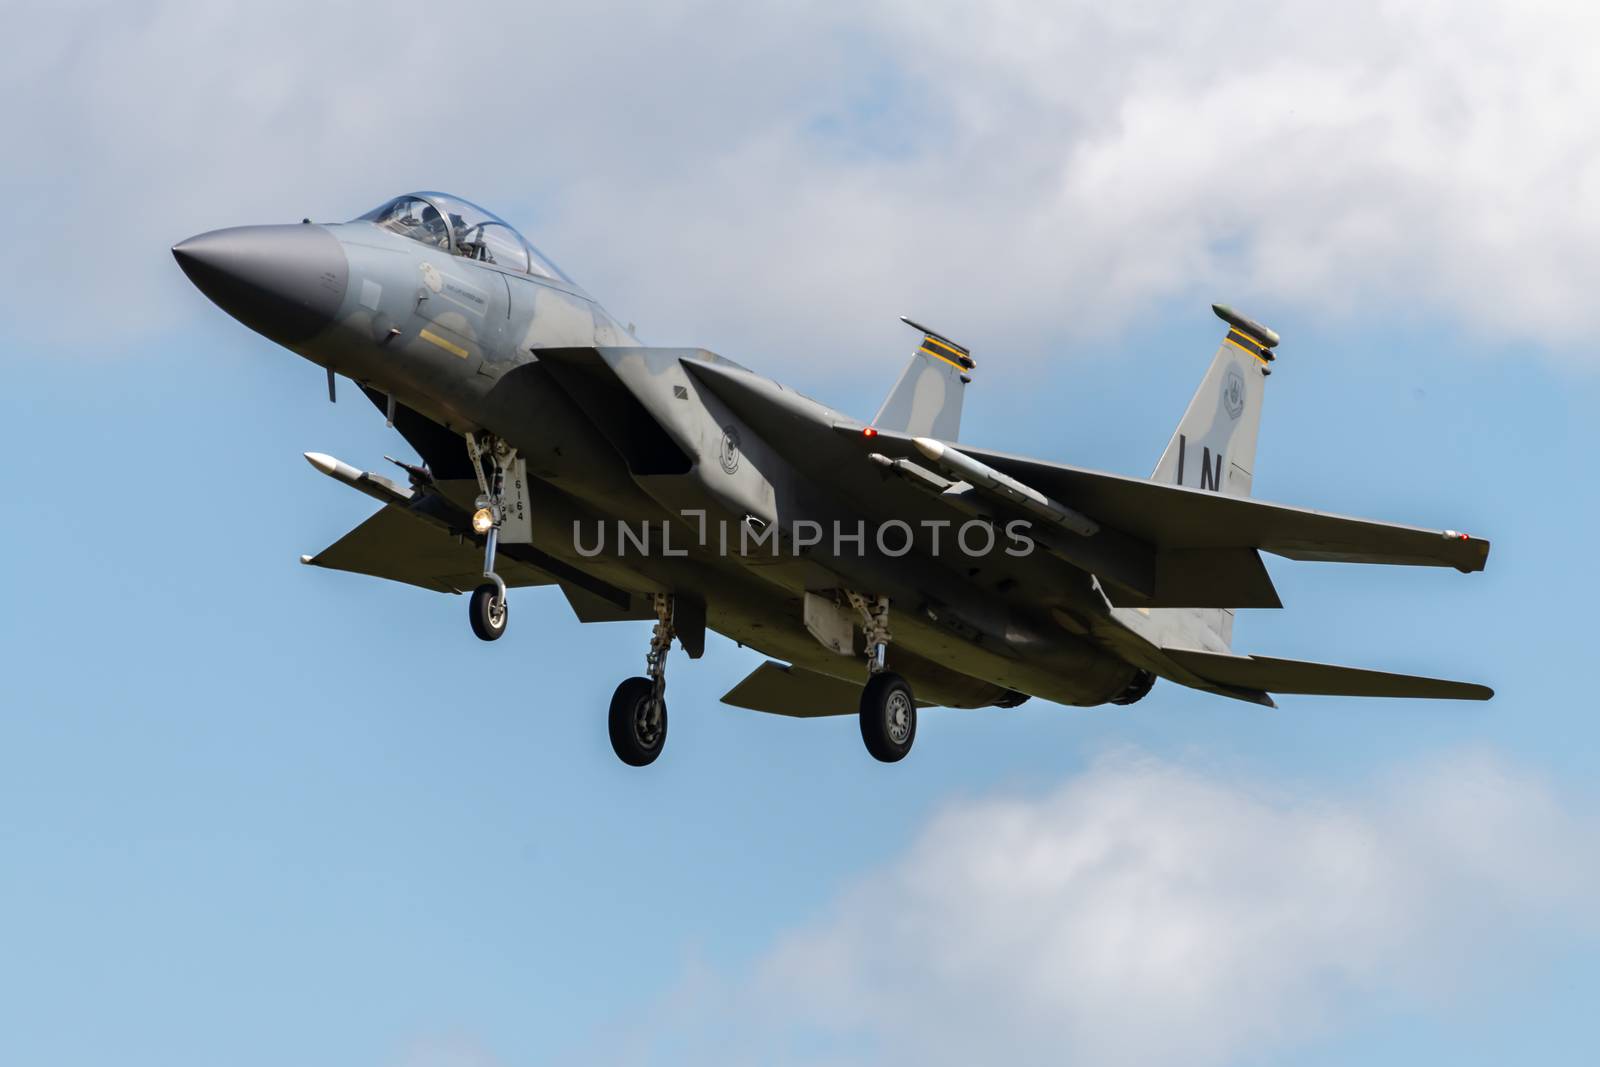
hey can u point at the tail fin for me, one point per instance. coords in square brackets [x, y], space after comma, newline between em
[1214, 446]
[926, 401]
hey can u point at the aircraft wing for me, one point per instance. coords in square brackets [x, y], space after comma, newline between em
[1319, 679]
[1151, 544]
[422, 538]
[1178, 518]
[402, 547]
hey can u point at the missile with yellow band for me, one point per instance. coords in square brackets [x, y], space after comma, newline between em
[1247, 334]
[941, 347]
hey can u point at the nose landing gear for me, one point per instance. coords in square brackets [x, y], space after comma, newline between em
[638, 717]
[488, 610]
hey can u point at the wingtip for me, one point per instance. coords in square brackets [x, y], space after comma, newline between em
[1483, 554]
[1477, 550]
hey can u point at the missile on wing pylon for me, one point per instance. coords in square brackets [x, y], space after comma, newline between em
[991, 482]
[1063, 533]
[374, 485]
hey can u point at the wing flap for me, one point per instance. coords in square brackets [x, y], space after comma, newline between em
[1204, 578]
[1317, 679]
[780, 689]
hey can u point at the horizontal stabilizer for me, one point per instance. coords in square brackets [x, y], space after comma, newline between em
[785, 690]
[1317, 679]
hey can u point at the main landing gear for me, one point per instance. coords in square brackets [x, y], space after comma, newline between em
[888, 710]
[638, 719]
[488, 610]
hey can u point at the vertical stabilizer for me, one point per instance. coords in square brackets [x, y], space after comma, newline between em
[1214, 446]
[926, 401]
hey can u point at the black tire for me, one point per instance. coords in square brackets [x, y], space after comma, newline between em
[638, 732]
[488, 613]
[888, 717]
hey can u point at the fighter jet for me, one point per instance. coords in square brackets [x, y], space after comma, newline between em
[884, 566]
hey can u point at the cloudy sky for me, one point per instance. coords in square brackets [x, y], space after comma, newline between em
[253, 813]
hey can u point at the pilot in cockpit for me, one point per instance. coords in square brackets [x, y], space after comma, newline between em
[462, 229]
[414, 218]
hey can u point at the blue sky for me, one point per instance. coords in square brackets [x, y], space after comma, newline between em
[254, 812]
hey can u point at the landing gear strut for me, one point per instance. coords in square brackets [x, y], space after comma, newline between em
[638, 719]
[888, 710]
[488, 610]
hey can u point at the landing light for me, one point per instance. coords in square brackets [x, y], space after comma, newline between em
[482, 520]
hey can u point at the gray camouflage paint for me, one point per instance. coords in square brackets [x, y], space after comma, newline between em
[613, 431]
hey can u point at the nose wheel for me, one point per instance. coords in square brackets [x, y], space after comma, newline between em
[888, 710]
[638, 718]
[488, 611]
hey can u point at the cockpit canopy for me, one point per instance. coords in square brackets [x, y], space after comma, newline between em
[463, 229]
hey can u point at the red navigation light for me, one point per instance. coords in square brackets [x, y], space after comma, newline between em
[869, 432]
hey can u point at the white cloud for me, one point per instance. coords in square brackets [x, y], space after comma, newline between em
[1012, 170]
[1148, 913]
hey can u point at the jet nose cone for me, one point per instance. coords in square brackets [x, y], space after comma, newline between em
[285, 282]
